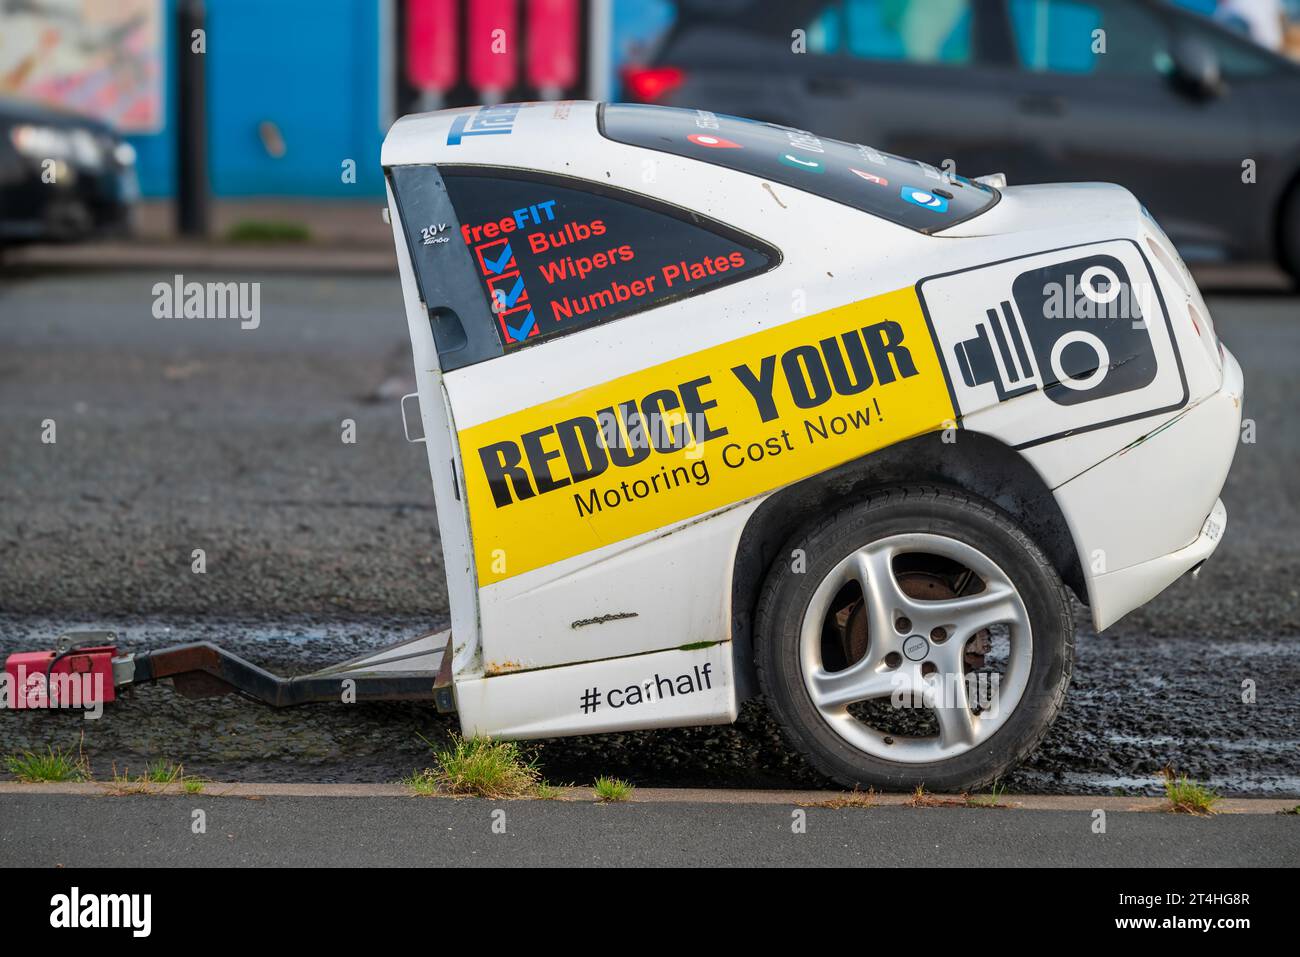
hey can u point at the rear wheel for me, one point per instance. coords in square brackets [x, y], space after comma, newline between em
[1289, 234]
[915, 638]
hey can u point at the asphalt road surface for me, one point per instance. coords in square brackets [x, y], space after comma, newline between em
[173, 435]
[380, 832]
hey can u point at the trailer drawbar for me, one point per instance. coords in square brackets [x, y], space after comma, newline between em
[86, 670]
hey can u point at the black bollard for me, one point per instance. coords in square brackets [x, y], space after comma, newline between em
[191, 121]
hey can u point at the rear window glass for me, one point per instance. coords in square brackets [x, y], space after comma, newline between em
[903, 191]
[554, 255]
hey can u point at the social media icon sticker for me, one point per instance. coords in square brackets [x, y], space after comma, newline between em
[924, 198]
[806, 164]
[870, 177]
[713, 142]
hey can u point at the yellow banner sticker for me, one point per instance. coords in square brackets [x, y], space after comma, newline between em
[701, 432]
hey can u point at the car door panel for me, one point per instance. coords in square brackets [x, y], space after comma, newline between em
[1097, 104]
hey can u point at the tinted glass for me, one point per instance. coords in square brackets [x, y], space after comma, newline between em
[554, 255]
[902, 191]
[934, 32]
[907, 31]
[1075, 36]
[1237, 56]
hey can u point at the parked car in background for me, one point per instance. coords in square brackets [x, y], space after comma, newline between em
[1202, 125]
[62, 176]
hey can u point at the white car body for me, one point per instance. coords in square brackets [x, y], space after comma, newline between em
[638, 605]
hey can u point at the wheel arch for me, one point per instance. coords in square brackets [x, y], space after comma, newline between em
[975, 463]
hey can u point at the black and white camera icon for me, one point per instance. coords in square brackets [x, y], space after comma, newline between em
[1075, 330]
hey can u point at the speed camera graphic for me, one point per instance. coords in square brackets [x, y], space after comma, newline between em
[1076, 330]
[1081, 340]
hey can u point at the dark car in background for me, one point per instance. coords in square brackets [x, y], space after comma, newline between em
[1202, 125]
[62, 176]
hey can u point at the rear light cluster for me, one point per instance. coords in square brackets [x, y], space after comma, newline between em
[1169, 258]
[1165, 253]
[651, 84]
[1205, 329]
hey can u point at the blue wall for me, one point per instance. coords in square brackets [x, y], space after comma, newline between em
[311, 67]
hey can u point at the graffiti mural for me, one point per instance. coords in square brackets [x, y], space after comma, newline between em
[99, 57]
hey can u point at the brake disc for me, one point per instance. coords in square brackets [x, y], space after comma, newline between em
[851, 620]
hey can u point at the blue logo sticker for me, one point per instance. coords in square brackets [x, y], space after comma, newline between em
[485, 121]
[924, 198]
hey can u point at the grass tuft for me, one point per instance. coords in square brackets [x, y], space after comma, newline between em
[268, 231]
[612, 789]
[32, 767]
[854, 798]
[162, 771]
[992, 799]
[1187, 796]
[160, 776]
[479, 767]
[923, 798]
[423, 783]
[920, 798]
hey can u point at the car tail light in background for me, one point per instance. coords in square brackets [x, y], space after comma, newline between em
[651, 84]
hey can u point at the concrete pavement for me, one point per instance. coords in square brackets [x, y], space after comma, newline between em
[71, 830]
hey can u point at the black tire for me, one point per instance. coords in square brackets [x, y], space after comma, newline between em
[1289, 234]
[786, 596]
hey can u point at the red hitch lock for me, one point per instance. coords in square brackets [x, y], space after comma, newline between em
[76, 678]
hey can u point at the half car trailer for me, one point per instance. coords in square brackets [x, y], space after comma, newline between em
[716, 408]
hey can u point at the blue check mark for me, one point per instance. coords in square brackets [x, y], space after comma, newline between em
[498, 265]
[521, 333]
[507, 299]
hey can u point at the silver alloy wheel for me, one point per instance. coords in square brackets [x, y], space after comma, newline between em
[898, 666]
